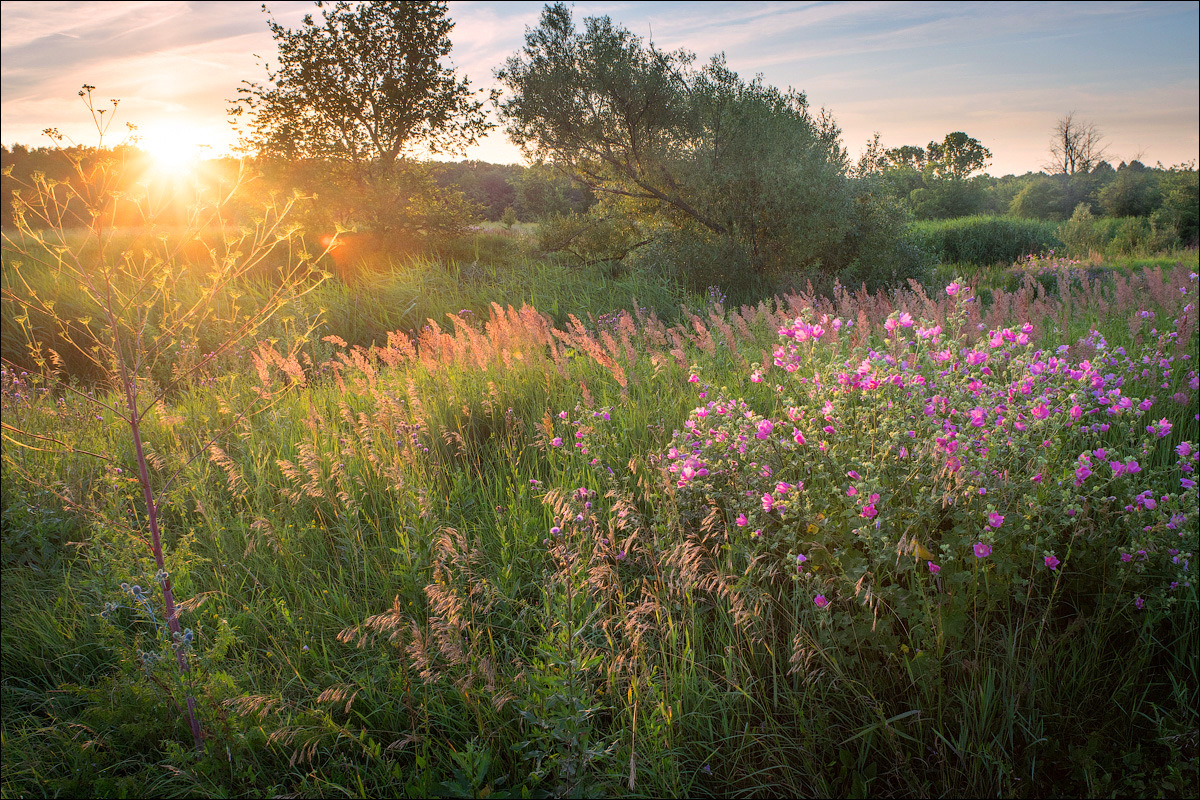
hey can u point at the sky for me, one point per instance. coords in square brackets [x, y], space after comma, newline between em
[1004, 73]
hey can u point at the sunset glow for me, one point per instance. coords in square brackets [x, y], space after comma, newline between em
[1002, 72]
[173, 147]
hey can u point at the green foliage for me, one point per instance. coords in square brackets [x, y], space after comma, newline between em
[591, 238]
[1132, 193]
[956, 156]
[985, 240]
[460, 564]
[1043, 198]
[509, 218]
[354, 93]
[708, 161]
[1085, 234]
[1180, 211]
[362, 84]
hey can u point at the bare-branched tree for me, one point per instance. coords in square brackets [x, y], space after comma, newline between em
[1075, 146]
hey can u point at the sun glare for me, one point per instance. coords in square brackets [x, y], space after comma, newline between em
[174, 148]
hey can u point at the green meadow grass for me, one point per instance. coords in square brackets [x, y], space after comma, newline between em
[454, 561]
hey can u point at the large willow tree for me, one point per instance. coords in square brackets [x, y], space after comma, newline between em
[733, 164]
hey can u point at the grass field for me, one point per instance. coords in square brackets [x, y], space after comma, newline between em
[936, 541]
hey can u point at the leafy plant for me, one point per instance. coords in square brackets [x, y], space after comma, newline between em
[140, 317]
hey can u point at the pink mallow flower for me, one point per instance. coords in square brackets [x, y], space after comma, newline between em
[995, 520]
[768, 502]
[820, 601]
[764, 429]
[1052, 562]
[869, 511]
[982, 550]
[933, 568]
[742, 521]
[1160, 428]
[953, 288]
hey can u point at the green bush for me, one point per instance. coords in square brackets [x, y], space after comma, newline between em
[1085, 234]
[985, 240]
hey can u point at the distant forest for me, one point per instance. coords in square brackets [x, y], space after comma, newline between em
[1165, 196]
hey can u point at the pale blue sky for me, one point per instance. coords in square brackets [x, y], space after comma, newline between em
[1002, 72]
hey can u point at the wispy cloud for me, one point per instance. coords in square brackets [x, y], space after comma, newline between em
[913, 71]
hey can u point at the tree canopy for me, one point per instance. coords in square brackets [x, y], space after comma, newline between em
[685, 149]
[364, 83]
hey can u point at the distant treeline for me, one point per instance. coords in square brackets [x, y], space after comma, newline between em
[1167, 197]
[489, 190]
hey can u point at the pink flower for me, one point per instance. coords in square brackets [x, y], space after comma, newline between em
[1160, 428]
[768, 502]
[869, 511]
[995, 520]
[953, 288]
[1052, 562]
[764, 429]
[978, 417]
[756, 377]
[851, 492]
[982, 550]
[800, 559]
[822, 602]
[556, 441]
[693, 379]
[1041, 411]
[933, 568]
[798, 437]
[742, 521]
[906, 320]
[1140, 603]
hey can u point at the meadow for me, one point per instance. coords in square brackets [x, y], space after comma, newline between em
[468, 529]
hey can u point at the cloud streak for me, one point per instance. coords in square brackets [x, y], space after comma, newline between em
[1003, 72]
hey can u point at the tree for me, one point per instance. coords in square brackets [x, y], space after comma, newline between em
[355, 92]
[1131, 193]
[957, 156]
[909, 156]
[1043, 197]
[1075, 146]
[365, 84]
[699, 153]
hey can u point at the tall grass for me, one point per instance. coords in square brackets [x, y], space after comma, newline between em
[985, 240]
[467, 561]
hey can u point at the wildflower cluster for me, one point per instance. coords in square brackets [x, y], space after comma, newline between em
[966, 450]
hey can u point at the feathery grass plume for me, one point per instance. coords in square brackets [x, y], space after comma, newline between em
[263, 529]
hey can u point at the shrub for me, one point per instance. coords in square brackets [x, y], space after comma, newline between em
[985, 240]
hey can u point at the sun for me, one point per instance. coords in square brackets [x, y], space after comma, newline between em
[173, 147]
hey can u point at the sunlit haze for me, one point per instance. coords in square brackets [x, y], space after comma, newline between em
[1002, 72]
